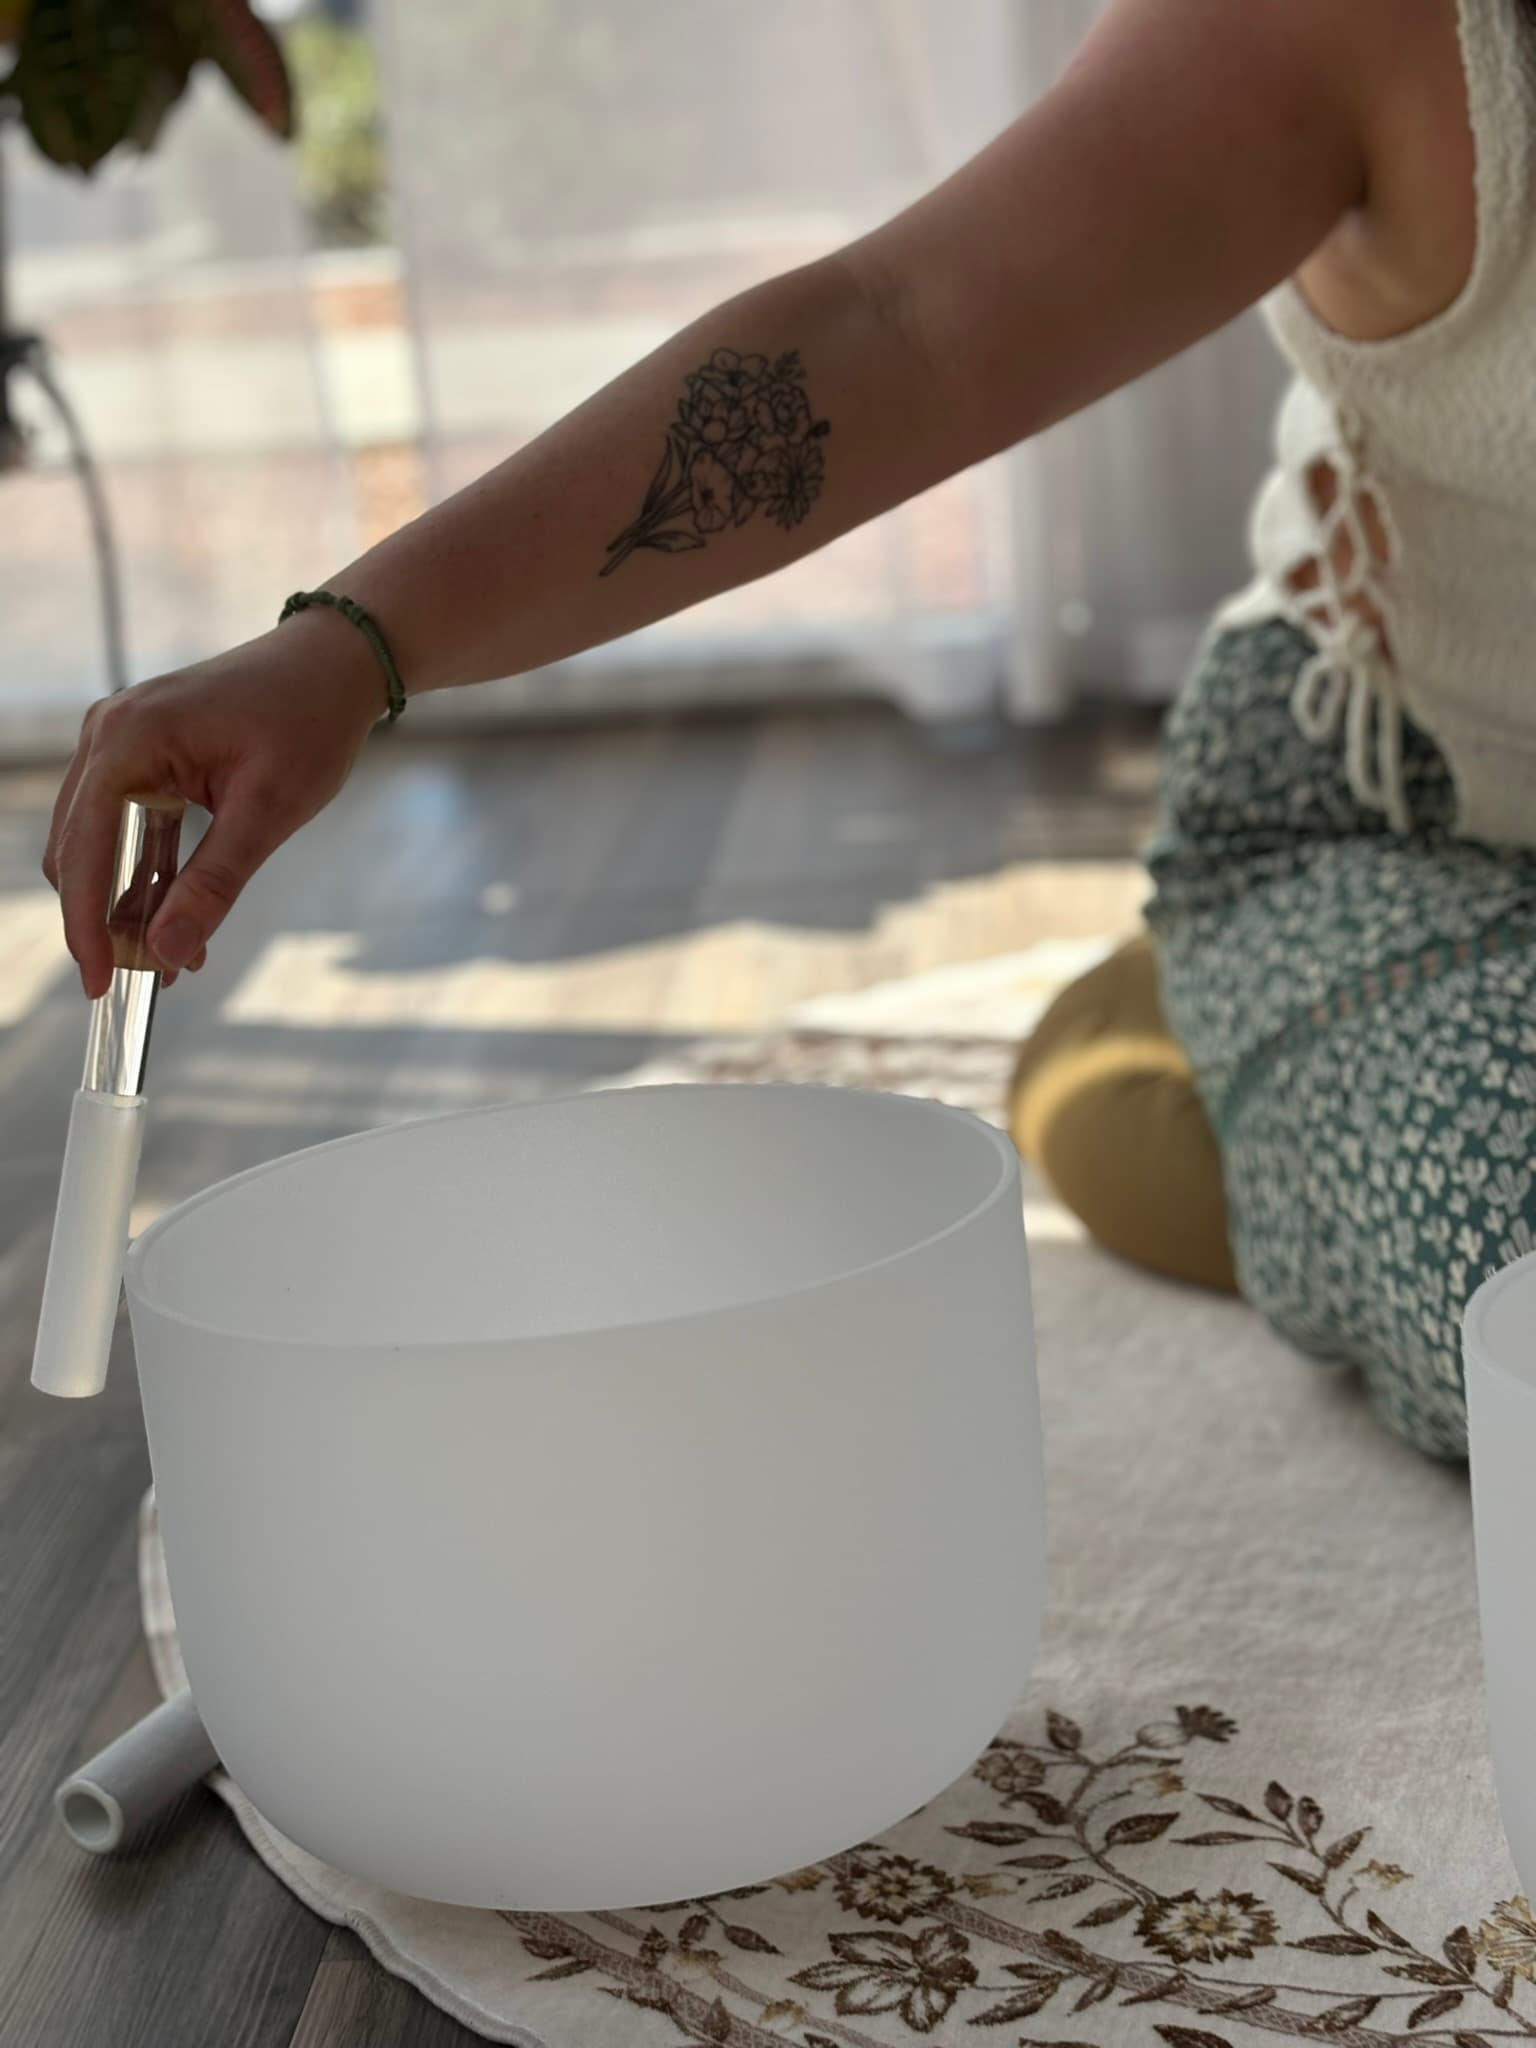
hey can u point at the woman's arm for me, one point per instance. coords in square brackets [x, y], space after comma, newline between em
[1191, 157]
[1195, 152]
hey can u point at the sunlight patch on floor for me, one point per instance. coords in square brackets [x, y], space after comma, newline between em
[740, 975]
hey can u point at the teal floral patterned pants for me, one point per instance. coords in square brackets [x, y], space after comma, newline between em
[1359, 1005]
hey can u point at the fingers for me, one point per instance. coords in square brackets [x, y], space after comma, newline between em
[118, 753]
[169, 974]
[66, 797]
[247, 827]
[221, 734]
[86, 849]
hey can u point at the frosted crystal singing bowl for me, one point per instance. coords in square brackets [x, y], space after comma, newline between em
[602, 1501]
[1499, 1348]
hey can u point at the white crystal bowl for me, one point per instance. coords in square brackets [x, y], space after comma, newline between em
[1499, 1353]
[602, 1501]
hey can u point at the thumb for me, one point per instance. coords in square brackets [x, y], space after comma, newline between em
[247, 828]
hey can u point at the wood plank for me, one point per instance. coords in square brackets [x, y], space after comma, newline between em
[71, 1605]
[354, 2004]
[183, 1941]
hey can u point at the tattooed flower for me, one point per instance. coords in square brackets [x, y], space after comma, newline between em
[760, 471]
[1010, 1770]
[1206, 1723]
[1387, 1873]
[1508, 1940]
[713, 414]
[735, 373]
[785, 480]
[781, 411]
[1189, 1929]
[713, 490]
[744, 440]
[807, 1880]
[919, 1977]
[892, 1888]
[1163, 1783]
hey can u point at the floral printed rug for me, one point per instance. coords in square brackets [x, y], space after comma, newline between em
[1247, 1795]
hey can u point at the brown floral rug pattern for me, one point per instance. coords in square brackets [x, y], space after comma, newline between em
[1041, 1909]
[1228, 1523]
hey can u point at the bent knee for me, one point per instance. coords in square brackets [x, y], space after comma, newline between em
[1118, 1130]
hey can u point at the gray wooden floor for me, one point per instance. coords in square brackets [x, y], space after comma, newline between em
[551, 849]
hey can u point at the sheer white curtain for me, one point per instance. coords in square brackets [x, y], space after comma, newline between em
[574, 181]
[172, 291]
[1130, 521]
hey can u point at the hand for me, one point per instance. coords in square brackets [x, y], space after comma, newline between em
[263, 737]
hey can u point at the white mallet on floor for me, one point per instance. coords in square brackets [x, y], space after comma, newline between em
[136, 1777]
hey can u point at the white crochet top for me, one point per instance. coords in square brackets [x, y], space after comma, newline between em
[1426, 444]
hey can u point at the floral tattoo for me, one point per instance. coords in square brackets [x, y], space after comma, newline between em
[744, 441]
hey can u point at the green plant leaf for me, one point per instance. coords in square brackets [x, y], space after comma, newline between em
[13, 19]
[173, 43]
[251, 58]
[80, 77]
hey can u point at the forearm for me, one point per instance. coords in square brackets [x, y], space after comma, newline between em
[831, 416]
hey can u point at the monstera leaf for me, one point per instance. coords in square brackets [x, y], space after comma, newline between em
[91, 74]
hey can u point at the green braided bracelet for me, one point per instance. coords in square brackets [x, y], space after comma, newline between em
[367, 625]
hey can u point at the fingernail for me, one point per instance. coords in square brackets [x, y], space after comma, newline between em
[175, 941]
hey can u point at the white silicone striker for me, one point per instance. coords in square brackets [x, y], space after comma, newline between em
[106, 1118]
[601, 1501]
[136, 1777]
[90, 1236]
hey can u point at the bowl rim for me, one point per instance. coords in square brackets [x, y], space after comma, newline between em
[1474, 1346]
[1008, 1179]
